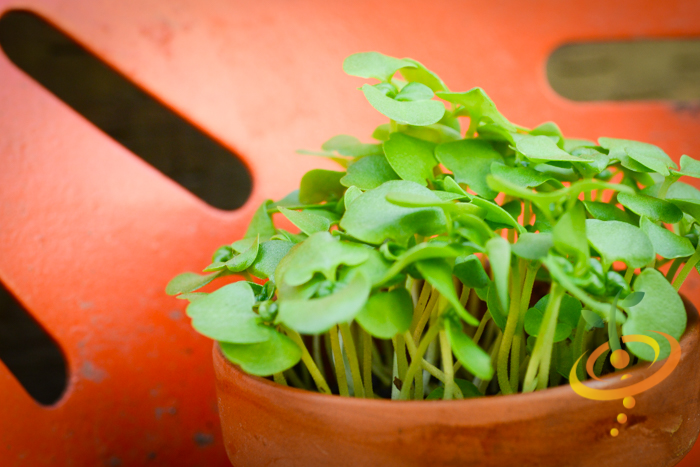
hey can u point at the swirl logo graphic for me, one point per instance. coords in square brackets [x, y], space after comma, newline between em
[620, 359]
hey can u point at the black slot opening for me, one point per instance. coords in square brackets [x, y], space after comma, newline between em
[123, 111]
[30, 353]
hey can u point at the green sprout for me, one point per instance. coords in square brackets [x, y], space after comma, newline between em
[448, 264]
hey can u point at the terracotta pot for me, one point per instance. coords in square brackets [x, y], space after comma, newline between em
[267, 424]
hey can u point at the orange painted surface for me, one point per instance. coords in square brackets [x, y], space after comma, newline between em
[90, 234]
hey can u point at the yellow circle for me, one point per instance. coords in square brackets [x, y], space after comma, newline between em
[628, 402]
[620, 359]
[614, 432]
[622, 418]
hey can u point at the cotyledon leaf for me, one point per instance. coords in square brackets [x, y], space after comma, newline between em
[470, 161]
[660, 310]
[373, 219]
[410, 113]
[619, 241]
[387, 314]
[411, 158]
[275, 355]
[368, 173]
[666, 243]
[306, 221]
[374, 65]
[318, 315]
[653, 208]
[227, 315]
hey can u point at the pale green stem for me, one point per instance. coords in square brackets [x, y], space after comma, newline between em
[416, 360]
[515, 361]
[553, 307]
[628, 275]
[351, 352]
[279, 379]
[425, 316]
[555, 295]
[318, 358]
[401, 360]
[673, 269]
[482, 325]
[511, 325]
[447, 363]
[318, 378]
[427, 366]
[367, 363]
[689, 265]
[668, 181]
[339, 364]
[578, 345]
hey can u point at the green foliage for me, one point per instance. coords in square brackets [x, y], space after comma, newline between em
[432, 244]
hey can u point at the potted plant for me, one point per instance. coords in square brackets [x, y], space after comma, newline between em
[446, 268]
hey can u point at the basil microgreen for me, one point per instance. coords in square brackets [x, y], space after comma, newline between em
[431, 245]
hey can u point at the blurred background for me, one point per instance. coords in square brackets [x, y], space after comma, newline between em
[166, 124]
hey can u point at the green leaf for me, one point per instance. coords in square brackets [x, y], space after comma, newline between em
[374, 268]
[470, 162]
[543, 149]
[468, 389]
[592, 319]
[567, 319]
[292, 199]
[275, 355]
[470, 355]
[479, 107]
[533, 246]
[438, 273]
[414, 92]
[523, 176]
[619, 241]
[661, 310]
[418, 113]
[351, 194]
[373, 219]
[420, 74]
[227, 315]
[320, 253]
[497, 214]
[571, 144]
[347, 145]
[421, 251]
[666, 243]
[653, 208]
[269, 256]
[189, 281]
[368, 173]
[474, 229]
[435, 133]
[387, 314]
[450, 185]
[498, 252]
[411, 158]
[316, 316]
[569, 235]
[470, 272]
[374, 65]
[690, 167]
[306, 221]
[261, 224]
[549, 129]
[243, 261]
[607, 212]
[321, 185]
[637, 156]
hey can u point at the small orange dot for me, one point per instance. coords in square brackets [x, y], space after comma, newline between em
[622, 418]
[628, 402]
[614, 432]
[620, 359]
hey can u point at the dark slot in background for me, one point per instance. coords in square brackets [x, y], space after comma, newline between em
[123, 111]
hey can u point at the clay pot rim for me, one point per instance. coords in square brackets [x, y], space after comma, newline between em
[256, 384]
